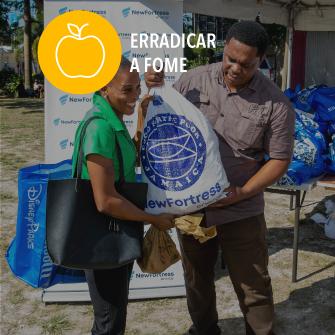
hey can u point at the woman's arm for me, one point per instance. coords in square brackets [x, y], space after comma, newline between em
[110, 202]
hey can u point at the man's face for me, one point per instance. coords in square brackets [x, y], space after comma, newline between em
[240, 63]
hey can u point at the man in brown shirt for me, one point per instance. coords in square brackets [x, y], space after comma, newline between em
[253, 121]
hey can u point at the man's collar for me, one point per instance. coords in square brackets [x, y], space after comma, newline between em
[254, 82]
[220, 75]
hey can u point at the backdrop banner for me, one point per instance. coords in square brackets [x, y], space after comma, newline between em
[64, 111]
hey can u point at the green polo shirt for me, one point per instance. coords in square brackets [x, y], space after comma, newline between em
[100, 137]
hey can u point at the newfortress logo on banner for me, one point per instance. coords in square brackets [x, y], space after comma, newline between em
[68, 9]
[129, 54]
[125, 36]
[161, 14]
[61, 122]
[66, 98]
[161, 276]
[170, 78]
[65, 144]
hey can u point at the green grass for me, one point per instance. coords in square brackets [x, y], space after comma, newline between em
[13, 162]
[6, 196]
[22, 134]
[22, 144]
[16, 296]
[56, 325]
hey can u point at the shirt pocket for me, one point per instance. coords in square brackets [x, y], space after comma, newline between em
[200, 100]
[252, 125]
[206, 107]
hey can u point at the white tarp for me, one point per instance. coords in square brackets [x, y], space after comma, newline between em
[310, 18]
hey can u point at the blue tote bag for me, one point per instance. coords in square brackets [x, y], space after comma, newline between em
[27, 255]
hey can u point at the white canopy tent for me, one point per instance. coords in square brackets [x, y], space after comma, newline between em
[307, 15]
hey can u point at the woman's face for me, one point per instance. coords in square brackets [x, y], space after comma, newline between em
[123, 92]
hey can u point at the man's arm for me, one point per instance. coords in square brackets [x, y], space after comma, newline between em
[278, 144]
[266, 176]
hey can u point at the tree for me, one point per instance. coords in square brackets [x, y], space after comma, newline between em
[5, 29]
[32, 29]
[39, 6]
[187, 23]
[27, 43]
[37, 29]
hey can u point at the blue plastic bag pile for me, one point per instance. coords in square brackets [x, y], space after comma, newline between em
[27, 255]
[314, 134]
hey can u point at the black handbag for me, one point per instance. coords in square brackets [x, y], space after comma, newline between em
[80, 237]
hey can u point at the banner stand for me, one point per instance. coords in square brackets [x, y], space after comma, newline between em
[63, 112]
[79, 293]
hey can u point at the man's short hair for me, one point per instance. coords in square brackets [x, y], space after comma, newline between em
[250, 33]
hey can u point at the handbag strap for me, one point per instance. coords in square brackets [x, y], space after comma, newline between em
[120, 159]
[80, 157]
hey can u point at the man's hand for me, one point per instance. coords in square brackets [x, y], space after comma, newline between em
[270, 172]
[154, 79]
[234, 194]
[145, 103]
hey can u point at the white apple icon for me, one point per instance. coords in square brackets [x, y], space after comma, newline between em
[76, 34]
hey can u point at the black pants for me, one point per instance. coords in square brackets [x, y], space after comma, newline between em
[109, 296]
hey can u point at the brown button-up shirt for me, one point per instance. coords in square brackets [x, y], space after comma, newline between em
[253, 123]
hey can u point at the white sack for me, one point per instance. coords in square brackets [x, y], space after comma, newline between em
[180, 156]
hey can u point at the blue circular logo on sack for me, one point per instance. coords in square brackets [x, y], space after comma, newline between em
[173, 152]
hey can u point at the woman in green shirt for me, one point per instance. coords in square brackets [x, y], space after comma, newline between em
[109, 288]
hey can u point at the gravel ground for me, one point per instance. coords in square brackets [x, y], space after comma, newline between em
[305, 307]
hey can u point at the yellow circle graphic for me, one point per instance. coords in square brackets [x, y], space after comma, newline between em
[79, 52]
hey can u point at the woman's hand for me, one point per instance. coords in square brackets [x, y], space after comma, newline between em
[163, 221]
